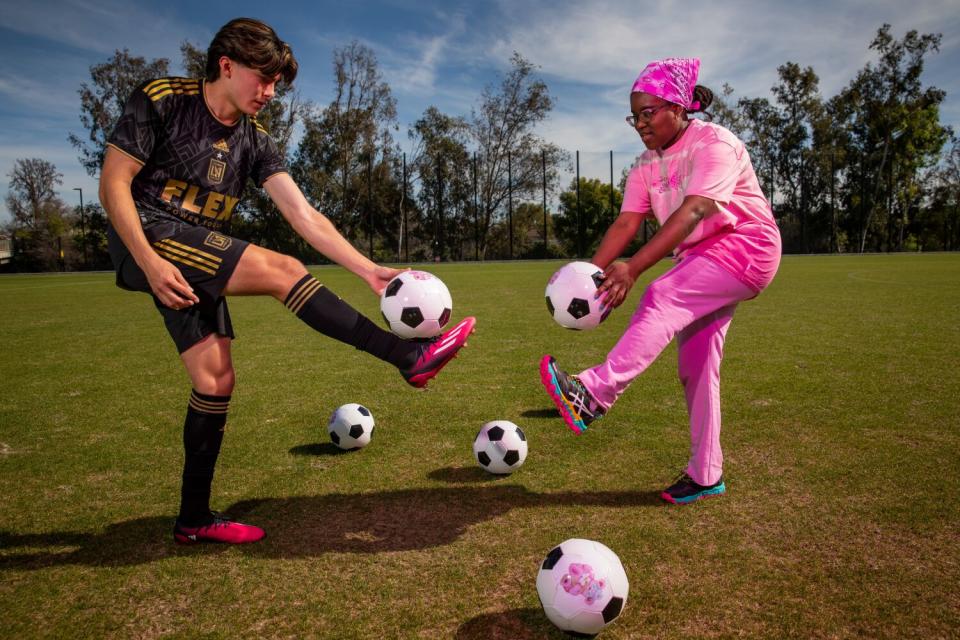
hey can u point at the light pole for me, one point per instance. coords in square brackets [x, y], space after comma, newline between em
[83, 231]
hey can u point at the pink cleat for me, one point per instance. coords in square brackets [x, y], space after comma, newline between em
[438, 352]
[220, 530]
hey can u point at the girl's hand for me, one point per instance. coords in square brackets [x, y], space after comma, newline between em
[617, 282]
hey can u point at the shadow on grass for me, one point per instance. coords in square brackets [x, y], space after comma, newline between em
[303, 526]
[456, 475]
[318, 449]
[515, 624]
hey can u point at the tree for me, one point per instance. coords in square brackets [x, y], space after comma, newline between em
[346, 160]
[91, 245]
[937, 226]
[527, 232]
[102, 104]
[194, 60]
[442, 166]
[581, 232]
[761, 127]
[38, 215]
[502, 130]
[798, 95]
[894, 131]
[724, 113]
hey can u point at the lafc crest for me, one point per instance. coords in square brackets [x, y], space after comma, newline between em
[218, 167]
[218, 241]
[216, 170]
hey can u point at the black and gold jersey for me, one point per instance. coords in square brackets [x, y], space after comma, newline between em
[194, 166]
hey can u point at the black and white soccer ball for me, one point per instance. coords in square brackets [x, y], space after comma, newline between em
[351, 426]
[500, 447]
[571, 296]
[416, 304]
[582, 586]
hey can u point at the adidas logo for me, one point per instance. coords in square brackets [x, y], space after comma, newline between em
[451, 338]
[221, 145]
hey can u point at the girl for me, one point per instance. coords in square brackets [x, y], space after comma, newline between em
[696, 179]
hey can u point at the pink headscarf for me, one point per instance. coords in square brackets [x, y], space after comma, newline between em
[672, 79]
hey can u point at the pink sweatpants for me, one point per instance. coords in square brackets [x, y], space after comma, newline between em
[694, 301]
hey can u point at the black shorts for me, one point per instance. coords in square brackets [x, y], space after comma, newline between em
[206, 259]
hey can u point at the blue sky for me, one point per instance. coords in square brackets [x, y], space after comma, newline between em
[443, 53]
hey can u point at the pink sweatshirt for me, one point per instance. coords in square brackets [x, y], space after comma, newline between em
[710, 161]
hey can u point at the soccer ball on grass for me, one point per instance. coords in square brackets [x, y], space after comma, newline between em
[351, 426]
[582, 586]
[500, 447]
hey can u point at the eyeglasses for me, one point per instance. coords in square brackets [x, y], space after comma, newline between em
[645, 115]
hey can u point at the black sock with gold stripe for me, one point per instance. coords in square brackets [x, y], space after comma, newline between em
[325, 312]
[202, 436]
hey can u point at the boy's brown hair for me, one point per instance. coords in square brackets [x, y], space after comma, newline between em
[253, 44]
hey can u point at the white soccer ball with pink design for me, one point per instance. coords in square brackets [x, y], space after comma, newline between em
[582, 586]
[416, 304]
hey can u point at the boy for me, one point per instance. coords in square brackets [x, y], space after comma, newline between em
[173, 173]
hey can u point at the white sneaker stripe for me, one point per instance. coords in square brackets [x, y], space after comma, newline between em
[454, 334]
[443, 347]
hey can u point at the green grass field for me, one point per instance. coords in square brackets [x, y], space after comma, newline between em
[841, 439]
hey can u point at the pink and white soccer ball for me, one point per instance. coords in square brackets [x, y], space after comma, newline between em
[416, 304]
[571, 295]
[582, 586]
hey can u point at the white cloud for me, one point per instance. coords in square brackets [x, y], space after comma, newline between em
[85, 24]
[417, 73]
[740, 42]
[599, 47]
[418, 66]
[38, 95]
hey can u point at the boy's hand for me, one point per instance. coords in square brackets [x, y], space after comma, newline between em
[380, 277]
[169, 285]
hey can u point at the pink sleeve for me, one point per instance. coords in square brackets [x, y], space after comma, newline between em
[715, 171]
[636, 197]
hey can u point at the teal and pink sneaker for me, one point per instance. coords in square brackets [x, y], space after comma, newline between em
[575, 404]
[220, 530]
[435, 354]
[685, 490]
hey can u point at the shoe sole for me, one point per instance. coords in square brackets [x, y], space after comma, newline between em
[552, 387]
[714, 492]
[420, 380]
[185, 539]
